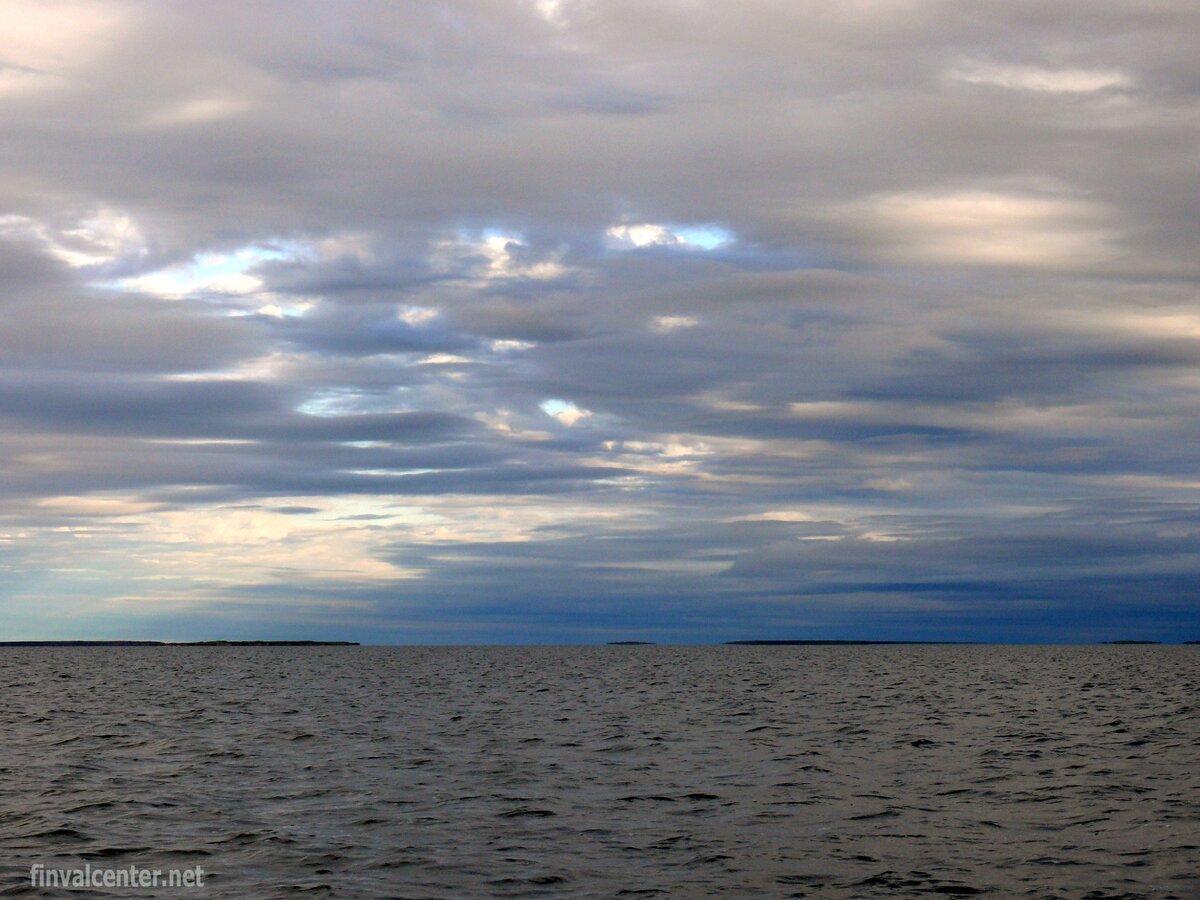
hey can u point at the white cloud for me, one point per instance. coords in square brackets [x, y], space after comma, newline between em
[499, 249]
[95, 506]
[273, 366]
[200, 111]
[550, 10]
[640, 235]
[190, 542]
[1036, 78]
[777, 515]
[980, 227]
[565, 411]
[501, 255]
[213, 273]
[102, 238]
[285, 310]
[417, 315]
[44, 38]
[649, 234]
[667, 324]
[508, 345]
[357, 245]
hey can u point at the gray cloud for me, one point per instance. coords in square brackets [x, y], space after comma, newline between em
[496, 323]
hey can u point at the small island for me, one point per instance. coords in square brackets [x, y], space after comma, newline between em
[269, 644]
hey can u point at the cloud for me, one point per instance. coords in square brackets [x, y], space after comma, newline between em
[989, 228]
[546, 320]
[56, 41]
[200, 111]
[693, 237]
[1036, 78]
[103, 238]
[667, 324]
[564, 410]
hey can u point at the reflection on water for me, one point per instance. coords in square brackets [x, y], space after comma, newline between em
[599, 771]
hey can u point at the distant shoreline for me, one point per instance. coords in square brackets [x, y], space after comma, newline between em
[818, 643]
[179, 644]
[740, 643]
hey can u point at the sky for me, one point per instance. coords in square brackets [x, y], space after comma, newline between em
[578, 320]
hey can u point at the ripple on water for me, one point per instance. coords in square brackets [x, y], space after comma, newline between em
[609, 771]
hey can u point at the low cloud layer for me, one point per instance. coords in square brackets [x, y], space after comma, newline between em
[588, 320]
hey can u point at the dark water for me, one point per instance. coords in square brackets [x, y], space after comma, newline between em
[734, 771]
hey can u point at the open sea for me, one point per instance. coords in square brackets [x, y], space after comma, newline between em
[840, 772]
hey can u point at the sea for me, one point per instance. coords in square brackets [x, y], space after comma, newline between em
[622, 771]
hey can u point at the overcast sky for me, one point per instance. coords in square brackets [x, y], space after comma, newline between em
[577, 320]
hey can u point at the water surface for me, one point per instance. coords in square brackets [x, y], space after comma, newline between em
[609, 771]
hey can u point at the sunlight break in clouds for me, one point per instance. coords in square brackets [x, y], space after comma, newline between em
[216, 273]
[697, 237]
[493, 255]
[565, 411]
